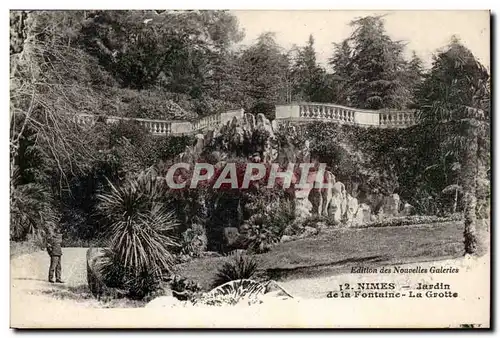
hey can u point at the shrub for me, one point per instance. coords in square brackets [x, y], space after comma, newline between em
[268, 221]
[240, 267]
[31, 210]
[314, 221]
[183, 288]
[160, 105]
[193, 241]
[130, 129]
[411, 220]
[140, 234]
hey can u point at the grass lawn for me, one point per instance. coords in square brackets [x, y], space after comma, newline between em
[336, 250]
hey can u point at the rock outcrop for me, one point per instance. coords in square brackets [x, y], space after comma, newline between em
[390, 207]
[352, 209]
[338, 204]
[321, 198]
[408, 210]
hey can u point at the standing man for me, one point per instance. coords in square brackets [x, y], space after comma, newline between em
[55, 252]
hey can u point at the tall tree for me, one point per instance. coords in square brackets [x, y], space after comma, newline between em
[378, 66]
[342, 72]
[264, 73]
[51, 80]
[309, 77]
[454, 101]
[414, 75]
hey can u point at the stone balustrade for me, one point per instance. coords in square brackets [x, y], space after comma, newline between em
[85, 119]
[397, 119]
[305, 112]
[166, 127]
[299, 112]
[207, 122]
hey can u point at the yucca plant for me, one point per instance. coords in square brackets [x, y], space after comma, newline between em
[141, 233]
[240, 267]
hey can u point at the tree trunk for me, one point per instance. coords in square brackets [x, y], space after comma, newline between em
[469, 177]
[455, 202]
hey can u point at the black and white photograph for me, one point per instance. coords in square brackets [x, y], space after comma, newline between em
[250, 169]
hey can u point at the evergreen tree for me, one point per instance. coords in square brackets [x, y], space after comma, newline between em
[309, 78]
[378, 67]
[414, 75]
[264, 69]
[342, 71]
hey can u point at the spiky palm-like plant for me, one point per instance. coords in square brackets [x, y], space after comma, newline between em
[141, 231]
[454, 104]
[240, 267]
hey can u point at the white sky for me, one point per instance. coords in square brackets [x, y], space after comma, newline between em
[424, 31]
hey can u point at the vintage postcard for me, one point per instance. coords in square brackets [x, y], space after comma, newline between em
[250, 169]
